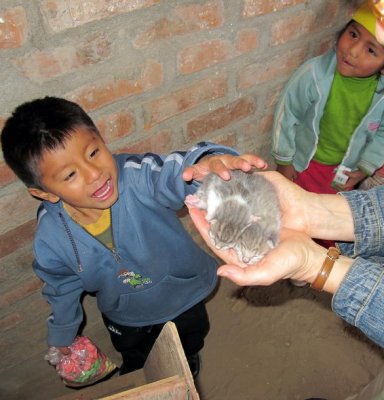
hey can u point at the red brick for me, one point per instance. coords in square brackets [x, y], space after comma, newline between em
[114, 126]
[220, 118]
[158, 143]
[6, 175]
[16, 266]
[325, 44]
[291, 28]
[183, 19]
[23, 290]
[327, 17]
[273, 95]
[252, 137]
[17, 207]
[64, 14]
[227, 139]
[108, 91]
[3, 273]
[43, 65]
[16, 238]
[266, 123]
[10, 321]
[13, 27]
[185, 99]
[254, 8]
[282, 65]
[246, 40]
[204, 55]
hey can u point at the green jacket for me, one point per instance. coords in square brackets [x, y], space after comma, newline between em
[299, 111]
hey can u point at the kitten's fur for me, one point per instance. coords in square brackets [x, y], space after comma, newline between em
[243, 212]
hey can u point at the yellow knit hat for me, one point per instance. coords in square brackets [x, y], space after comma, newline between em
[364, 16]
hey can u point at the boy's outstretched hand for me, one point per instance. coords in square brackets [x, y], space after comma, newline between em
[221, 165]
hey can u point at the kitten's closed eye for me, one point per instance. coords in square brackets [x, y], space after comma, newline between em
[244, 213]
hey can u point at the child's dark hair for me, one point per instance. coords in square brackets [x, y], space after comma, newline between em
[37, 126]
[343, 30]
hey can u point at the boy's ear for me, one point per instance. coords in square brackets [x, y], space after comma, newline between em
[40, 194]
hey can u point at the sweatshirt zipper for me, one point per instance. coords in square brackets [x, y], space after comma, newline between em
[114, 251]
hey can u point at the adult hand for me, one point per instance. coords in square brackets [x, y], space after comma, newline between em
[221, 165]
[296, 256]
[322, 216]
[296, 204]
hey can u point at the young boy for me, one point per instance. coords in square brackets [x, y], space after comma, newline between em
[108, 225]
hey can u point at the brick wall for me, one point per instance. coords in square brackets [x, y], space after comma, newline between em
[155, 75]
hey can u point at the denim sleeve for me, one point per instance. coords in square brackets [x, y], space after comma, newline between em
[368, 216]
[360, 298]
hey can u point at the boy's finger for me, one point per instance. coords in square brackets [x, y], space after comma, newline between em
[189, 173]
[254, 161]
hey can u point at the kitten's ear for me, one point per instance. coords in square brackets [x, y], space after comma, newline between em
[244, 228]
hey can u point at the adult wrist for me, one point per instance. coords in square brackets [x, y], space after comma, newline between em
[341, 267]
[337, 273]
[315, 261]
[331, 217]
[322, 276]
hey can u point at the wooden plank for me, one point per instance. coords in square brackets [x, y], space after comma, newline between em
[165, 376]
[167, 358]
[113, 385]
[173, 388]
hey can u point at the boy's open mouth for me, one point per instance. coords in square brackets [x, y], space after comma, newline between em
[105, 191]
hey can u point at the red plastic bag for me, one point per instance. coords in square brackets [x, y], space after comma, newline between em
[85, 365]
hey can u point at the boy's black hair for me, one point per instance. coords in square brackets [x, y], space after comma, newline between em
[37, 126]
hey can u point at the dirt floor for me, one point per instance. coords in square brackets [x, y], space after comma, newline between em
[275, 343]
[282, 343]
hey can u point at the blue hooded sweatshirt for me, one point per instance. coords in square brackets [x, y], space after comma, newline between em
[155, 272]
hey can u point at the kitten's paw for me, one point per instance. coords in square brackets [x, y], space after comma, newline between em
[192, 200]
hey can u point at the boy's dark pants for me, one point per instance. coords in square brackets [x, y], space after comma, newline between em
[134, 344]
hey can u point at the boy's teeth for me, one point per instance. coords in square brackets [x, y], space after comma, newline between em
[102, 191]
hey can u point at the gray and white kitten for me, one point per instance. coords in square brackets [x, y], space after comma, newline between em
[244, 213]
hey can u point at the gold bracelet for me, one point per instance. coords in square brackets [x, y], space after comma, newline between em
[319, 282]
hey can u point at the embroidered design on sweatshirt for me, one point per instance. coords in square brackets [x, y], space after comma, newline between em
[373, 126]
[133, 279]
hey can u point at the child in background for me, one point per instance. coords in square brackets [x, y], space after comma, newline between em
[329, 124]
[108, 225]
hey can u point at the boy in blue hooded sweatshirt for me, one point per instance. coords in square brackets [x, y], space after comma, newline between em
[108, 225]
